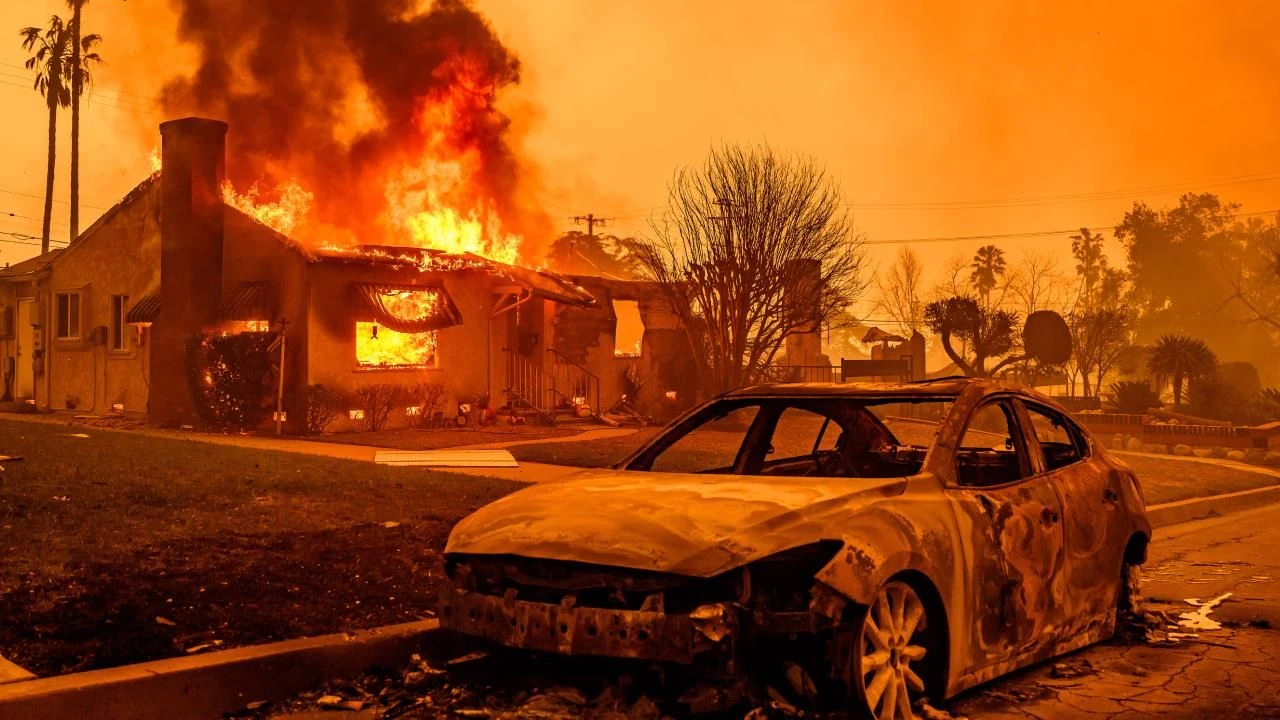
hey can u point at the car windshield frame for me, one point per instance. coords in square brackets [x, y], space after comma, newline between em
[642, 459]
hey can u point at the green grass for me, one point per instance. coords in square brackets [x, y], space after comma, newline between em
[100, 535]
[1163, 479]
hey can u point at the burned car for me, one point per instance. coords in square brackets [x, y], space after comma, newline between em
[913, 539]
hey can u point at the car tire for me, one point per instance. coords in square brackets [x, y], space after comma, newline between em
[887, 656]
[1131, 617]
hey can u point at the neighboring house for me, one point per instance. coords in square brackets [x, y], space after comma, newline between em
[104, 325]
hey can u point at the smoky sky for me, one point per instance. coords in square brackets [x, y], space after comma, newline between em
[329, 93]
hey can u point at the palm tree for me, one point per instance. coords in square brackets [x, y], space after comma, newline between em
[1091, 264]
[51, 58]
[81, 57]
[1176, 359]
[988, 267]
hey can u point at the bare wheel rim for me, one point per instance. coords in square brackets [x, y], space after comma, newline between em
[891, 652]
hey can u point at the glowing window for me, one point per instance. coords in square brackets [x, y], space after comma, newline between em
[380, 347]
[629, 332]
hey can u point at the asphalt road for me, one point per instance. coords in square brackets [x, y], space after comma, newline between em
[1233, 672]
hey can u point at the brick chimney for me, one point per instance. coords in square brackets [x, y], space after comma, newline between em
[193, 160]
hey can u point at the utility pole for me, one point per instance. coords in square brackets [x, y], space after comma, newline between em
[592, 221]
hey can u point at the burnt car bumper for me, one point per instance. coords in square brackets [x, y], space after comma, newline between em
[569, 630]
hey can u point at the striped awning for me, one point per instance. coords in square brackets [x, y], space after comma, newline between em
[250, 301]
[146, 310]
[409, 308]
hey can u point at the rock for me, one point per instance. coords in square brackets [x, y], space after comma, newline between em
[1255, 457]
[1117, 442]
[1237, 455]
[1155, 448]
[1182, 450]
[1271, 458]
[1220, 452]
[1133, 444]
[1202, 452]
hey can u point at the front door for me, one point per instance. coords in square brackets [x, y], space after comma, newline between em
[25, 384]
[1016, 537]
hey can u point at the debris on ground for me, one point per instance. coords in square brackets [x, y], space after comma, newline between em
[390, 524]
[928, 712]
[1074, 668]
[1199, 618]
[162, 620]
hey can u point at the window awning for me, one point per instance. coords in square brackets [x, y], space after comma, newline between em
[146, 310]
[546, 285]
[409, 308]
[250, 301]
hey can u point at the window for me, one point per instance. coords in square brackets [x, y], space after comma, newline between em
[1060, 441]
[380, 347]
[710, 447]
[802, 433]
[628, 333]
[119, 308]
[990, 452]
[67, 305]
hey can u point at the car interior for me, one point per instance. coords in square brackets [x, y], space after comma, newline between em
[820, 437]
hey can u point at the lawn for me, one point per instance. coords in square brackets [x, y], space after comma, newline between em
[1163, 479]
[120, 548]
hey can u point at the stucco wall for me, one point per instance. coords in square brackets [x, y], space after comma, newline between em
[466, 357]
[119, 257]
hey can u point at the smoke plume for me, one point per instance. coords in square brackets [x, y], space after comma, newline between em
[382, 111]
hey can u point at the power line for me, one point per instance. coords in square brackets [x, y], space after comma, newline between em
[1035, 233]
[89, 100]
[27, 74]
[41, 197]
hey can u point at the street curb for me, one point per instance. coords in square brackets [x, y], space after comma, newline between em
[205, 686]
[1182, 511]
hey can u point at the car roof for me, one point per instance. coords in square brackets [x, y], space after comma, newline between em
[944, 387]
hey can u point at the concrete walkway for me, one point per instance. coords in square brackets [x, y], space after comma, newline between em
[526, 472]
[601, 434]
[1221, 462]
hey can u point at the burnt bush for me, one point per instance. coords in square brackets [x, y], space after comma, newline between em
[323, 405]
[428, 398]
[231, 378]
[377, 402]
[1132, 397]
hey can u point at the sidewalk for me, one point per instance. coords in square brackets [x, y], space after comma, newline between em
[526, 472]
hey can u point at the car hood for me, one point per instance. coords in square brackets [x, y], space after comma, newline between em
[698, 525]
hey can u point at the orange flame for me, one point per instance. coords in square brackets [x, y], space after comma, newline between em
[283, 215]
[381, 347]
[434, 200]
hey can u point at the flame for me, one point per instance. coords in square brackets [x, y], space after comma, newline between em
[381, 347]
[283, 215]
[434, 197]
[156, 163]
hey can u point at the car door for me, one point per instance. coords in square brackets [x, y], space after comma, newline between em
[1015, 535]
[1094, 532]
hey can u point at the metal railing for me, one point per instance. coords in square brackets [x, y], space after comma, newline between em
[530, 384]
[805, 373]
[574, 382]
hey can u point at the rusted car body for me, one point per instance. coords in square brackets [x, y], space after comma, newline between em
[1013, 535]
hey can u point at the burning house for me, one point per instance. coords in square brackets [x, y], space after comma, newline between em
[106, 323]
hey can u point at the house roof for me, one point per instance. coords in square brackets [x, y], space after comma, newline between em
[30, 266]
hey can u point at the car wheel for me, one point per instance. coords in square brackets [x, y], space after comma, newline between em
[886, 663]
[1131, 617]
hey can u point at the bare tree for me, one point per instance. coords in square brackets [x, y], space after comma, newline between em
[900, 291]
[1036, 283]
[1098, 337]
[754, 246]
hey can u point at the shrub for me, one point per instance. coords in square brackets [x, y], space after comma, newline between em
[429, 399]
[1266, 406]
[230, 377]
[323, 405]
[1132, 397]
[377, 402]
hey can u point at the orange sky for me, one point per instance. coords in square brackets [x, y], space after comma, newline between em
[906, 103]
